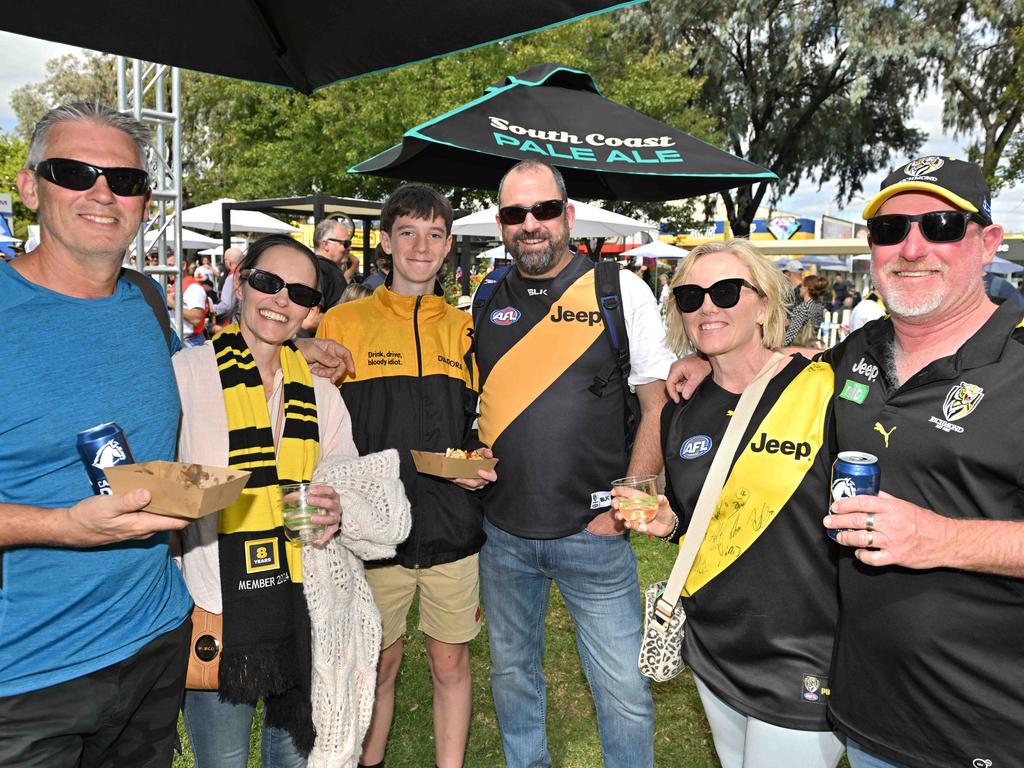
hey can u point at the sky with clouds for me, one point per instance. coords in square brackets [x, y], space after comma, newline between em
[23, 60]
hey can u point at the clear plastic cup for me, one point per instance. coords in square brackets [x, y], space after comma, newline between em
[638, 499]
[298, 514]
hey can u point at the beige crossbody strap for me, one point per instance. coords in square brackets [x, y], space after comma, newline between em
[713, 483]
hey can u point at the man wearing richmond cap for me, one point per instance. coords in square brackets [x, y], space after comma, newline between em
[927, 670]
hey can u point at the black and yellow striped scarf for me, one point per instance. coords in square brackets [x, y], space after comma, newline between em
[266, 625]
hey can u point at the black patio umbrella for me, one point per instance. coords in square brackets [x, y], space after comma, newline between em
[553, 113]
[303, 44]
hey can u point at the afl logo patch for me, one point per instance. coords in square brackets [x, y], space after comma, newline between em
[506, 316]
[695, 447]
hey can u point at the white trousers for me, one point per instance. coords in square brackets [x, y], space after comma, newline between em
[744, 742]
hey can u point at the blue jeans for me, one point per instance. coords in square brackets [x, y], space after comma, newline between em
[597, 578]
[219, 733]
[861, 758]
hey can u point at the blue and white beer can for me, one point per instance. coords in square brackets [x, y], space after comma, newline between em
[100, 447]
[854, 474]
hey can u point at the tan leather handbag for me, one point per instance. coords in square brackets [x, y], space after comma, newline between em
[204, 651]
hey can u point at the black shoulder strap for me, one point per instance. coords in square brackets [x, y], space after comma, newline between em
[483, 294]
[153, 297]
[609, 301]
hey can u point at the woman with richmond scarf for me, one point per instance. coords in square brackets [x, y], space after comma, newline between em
[249, 401]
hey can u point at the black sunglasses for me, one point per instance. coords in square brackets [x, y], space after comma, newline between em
[542, 211]
[724, 294]
[936, 226]
[268, 282]
[79, 176]
[344, 243]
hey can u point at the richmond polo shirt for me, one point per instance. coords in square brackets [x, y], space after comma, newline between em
[928, 666]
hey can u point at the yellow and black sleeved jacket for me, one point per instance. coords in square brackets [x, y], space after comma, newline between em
[414, 389]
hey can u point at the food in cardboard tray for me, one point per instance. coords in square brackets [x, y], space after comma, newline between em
[458, 453]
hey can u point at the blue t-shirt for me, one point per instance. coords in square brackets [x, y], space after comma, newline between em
[68, 365]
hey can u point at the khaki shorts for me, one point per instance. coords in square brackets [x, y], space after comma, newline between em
[449, 600]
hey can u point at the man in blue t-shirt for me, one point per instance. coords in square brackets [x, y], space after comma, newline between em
[93, 612]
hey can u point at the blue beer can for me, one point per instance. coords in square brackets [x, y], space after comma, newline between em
[854, 474]
[101, 447]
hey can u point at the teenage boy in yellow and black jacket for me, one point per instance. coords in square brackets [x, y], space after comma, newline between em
[415, 388]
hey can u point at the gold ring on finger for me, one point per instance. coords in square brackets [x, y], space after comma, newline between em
[871, 538]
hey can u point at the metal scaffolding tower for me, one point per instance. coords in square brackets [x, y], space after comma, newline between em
[143, 91]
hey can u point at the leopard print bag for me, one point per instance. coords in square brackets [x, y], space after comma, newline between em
[661, 648]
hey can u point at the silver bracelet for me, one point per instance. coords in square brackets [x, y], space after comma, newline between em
[675, 527]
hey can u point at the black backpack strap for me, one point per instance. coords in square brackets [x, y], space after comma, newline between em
[154, 298]
[483, 294]
[609, 301]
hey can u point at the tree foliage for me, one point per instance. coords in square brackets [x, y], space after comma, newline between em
[13, 153]
[86, 77]
[979, 51]
[818, 89]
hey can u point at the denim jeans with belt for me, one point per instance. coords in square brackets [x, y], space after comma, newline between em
[598, 580]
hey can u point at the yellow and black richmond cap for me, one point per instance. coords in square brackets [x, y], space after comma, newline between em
[959, 183]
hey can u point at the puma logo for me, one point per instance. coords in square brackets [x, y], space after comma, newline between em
[885, 435]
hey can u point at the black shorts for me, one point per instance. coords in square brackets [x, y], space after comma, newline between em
[123, 715]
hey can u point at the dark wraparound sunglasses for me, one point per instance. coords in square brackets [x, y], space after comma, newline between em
[724, 294]
[268, 282]
[542, 211]
[936, 226]
[79, 176]
[343, 243]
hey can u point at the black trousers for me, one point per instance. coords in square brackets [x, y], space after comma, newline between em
[123, 716]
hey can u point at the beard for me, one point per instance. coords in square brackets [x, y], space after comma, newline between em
[905, 301]
[537, 258]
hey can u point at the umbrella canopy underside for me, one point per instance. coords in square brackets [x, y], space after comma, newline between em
[302, 44]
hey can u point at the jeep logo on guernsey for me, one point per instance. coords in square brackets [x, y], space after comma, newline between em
[568, 316]
[695, 447]
[865, 369]
[785, 447]
[506, 316]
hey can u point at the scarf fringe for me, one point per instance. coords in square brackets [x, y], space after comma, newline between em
[248, 675]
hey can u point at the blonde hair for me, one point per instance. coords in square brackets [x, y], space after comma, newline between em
[763, 275]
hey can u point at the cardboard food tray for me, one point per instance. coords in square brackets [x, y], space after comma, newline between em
[184, 490]
[439, 465]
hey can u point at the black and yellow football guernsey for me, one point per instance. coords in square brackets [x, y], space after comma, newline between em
[928, 669]
[414, 389]
[559, 443]
[761, 600]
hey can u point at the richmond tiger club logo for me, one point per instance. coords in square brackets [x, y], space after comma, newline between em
[923, 166]
[962, 400]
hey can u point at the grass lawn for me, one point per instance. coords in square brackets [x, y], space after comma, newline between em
[681, 738]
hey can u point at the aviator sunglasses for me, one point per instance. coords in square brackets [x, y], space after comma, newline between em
[542, 211]
[724, 294]
[268, 282]
[79, 176]
[936, 226]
